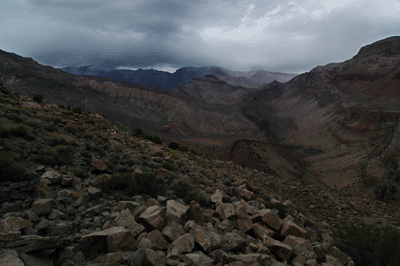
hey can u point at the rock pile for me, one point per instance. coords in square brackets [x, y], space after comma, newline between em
[79, 225]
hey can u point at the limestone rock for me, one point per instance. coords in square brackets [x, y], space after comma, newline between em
[208, 240]
[217, 197]
[300, 245]
[182, 244]
[52, 177]
[122, 205]
[260, 231]
[42, 206]
[35, 259]
[290, 228]
[278, 248]
[97, 241]
[34, 243]
[127, 221]
[271, 218]
[175, 211]
[98, 165]
[158, 240]
[94, 193]
[172, 231]
[195, 213]
[10, 258]
[244, 225]
[155, 258]
[12, 224]
[225, 210]
[232, 242]
[122, 240]
[154, 216]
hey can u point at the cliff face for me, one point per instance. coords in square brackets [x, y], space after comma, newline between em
[350, 111]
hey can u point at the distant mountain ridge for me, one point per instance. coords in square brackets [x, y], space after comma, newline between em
[165, 80]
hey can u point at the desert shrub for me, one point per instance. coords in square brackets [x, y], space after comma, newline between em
[157, 139]
[32, 123]
[138, 184]
[38, 98]
[137, 132]
[15, 118]
[77, 110]
[10, 168]
[370, 245]
[54, 156]
[173, 145]
[71, 129]
[282, 212]
[61, 106]
[169, 166]
[183, 149]
[21, 131]
[58, 140]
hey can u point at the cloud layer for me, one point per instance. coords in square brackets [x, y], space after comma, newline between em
[287, 36]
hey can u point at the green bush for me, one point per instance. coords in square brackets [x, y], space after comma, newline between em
[173, 145]
[137, 132]
[157, 139]
[38, 98]
[370, 245]
[77, 110]
[61, 155]
[169, 166]
[21, 131]
[71, 129]
[10, 169]
[138, 184]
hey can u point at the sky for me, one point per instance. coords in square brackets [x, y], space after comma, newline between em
[273, 35]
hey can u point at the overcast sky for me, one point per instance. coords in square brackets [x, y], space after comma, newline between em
[274, 35]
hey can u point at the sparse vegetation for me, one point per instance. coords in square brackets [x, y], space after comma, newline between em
[138, 184]
[370, 245]
[173, 145]
[38, 98]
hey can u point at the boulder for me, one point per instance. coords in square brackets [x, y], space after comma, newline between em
[279, 249]
[232, 242]
[244, 225]
[112, 258]
[195, 213]
[225, 210]
[155, 258]
[122, 205]
[208, 240]
[172, 231]
[34, 243]
[98, 241]
[51, 177]
[175, 211]
[158, 240]
[154, 216]
[183, 244]
[271, 218]
[126, 220]
[35, 259]
[300, 245]
[217, 197]
[290, 228]
[42, 206]
[94, 193]
[12, 225]
[10, 258]
[122, 240]
[98, 165]
[260, 231]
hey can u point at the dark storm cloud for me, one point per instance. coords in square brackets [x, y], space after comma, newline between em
[286, 36]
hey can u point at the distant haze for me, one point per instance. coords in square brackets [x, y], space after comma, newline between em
[287, 36]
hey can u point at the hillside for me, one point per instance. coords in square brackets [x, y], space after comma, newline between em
[69, 197]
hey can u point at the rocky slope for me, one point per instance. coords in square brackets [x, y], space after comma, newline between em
[69, 197]
[349, 112]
